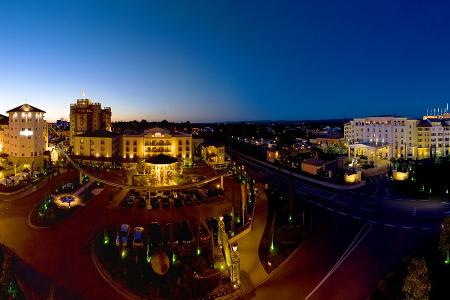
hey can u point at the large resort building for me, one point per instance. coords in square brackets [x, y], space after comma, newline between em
[24, 137]
[86, 116]
[386, 137]
[154, 141]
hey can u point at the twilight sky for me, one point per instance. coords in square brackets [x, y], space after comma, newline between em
[226, 60]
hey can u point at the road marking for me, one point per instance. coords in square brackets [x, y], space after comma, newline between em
[366, 209]
[407, 227]
[389, 225]
[355, 217]
[425, 228]
[342, 213]
[332, 197]
[373, 222]
[366, 228]
[342, 203]
[329, 208]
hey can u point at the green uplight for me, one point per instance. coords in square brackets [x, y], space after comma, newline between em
[174, 258]
[199, 251]
[105, 239]
[447, 261]
[290, 218]
[123, 254]
[272, 246]
[149, 259]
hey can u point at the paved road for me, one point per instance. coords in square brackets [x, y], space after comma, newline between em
[375, 202]
[398, 225]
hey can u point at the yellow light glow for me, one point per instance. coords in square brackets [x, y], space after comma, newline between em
[400, 176]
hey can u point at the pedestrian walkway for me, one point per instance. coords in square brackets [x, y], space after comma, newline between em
[252, 271]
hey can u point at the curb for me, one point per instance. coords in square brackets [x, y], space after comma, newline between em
[34, 227]
[120, 289]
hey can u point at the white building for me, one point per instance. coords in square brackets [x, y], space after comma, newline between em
[26, 137]
[381, 137]
[388, 137]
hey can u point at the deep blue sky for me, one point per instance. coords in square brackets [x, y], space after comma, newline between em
[226, 60]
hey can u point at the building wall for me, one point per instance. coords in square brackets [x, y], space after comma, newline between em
[87, 116]
[213, 155]
[148, 145]
[398, 132]
[96, 146]
[26, 138]
[3, 132]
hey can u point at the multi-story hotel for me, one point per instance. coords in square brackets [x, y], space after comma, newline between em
[433, 136]
[381, 137]
[386, 137]
[3, 129]
[97, 146]
[107, 147]
[155, 141]
[86, 116]
[26, 136]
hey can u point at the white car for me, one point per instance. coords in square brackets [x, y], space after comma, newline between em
[138, 237]
[122, 235]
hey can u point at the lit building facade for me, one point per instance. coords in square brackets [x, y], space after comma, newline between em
[213, 153]
[154, 141]
[26, 137]
[100, 146]
[389, 137]
[382, 137]
[4, 122]
[433, 136]
[86, 116]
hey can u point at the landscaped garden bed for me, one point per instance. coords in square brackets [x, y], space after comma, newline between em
[9, 287]
[426, 178]
[162, 270]
[285, 230]
[62, 204]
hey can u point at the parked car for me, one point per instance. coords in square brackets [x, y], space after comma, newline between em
[186, 233]
[213, 226]
[177, 202]
[203, 234]
[171, 234]
[187, 200]
[154, 202]
[196, 198]
[166, 202]
[155, 235]
[138, 237]
[122, 235]
[142, 202]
